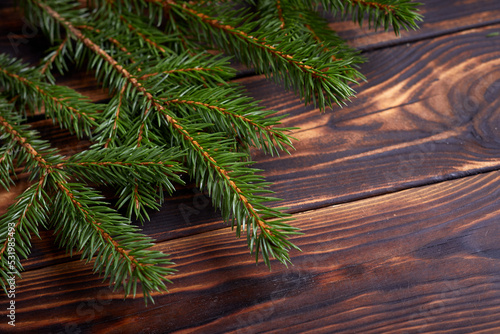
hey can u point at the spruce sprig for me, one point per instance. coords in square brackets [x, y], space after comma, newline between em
[70, 109]
[80, 218]
[171, 110]
[400, 14]
[299, 64]
[225, 174]
[141, 176]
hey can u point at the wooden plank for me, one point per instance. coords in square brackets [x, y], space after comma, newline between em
[424, 259]
[440, 17]
[413, 123]
[257, 294]
[410, 125]
[429, 112]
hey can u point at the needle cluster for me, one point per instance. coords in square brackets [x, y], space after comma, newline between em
[172, 110]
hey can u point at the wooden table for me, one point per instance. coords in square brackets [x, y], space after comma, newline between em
[398, 195]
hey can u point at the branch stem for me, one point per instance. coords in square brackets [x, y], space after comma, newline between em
[159, 107]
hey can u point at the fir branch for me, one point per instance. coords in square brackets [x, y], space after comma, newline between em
[272, 237]
[49, 63]
[111, 132]
[31, 148]
[30, 210]
[153, 171]
[64, 105]
[77, 213]
[304, 23]
[400, 14]
[229, 191]
[7, 169]
[314, 78]
[231, 112]
[187, 69]
[16, 226]
[171, 110]
[115, 166]
[108, 233]
[246, 37]
[111, 39]
[121, 251]
[152, 37]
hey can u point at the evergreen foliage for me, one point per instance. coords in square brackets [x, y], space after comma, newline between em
[171, 110]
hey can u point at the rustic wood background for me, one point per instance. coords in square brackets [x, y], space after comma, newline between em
[398, 196]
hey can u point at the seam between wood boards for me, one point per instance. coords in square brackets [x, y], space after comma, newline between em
[309, 210]
[404, 187]
[158, 306]
[415, 184]
[396, 42]
[426, 36]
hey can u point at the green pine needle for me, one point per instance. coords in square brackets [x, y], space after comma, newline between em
[171, 111]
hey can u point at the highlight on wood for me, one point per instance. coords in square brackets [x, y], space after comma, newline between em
[172, 113]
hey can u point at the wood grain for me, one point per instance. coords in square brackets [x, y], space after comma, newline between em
[413, 261]
[432, 137]
[400, 234]
[409, 126]
[430, 116]
[429, 112]
[440, 18]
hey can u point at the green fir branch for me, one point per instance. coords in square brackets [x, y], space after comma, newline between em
[400, 14]
[62, 104]
[297, 64]
[171, 111]
[16, 226]
[141, 176]
[232, 184]
[30, 209]
[230, 111]
[84, 222]
[77, 213]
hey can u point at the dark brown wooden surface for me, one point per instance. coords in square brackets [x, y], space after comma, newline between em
[398, 195]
